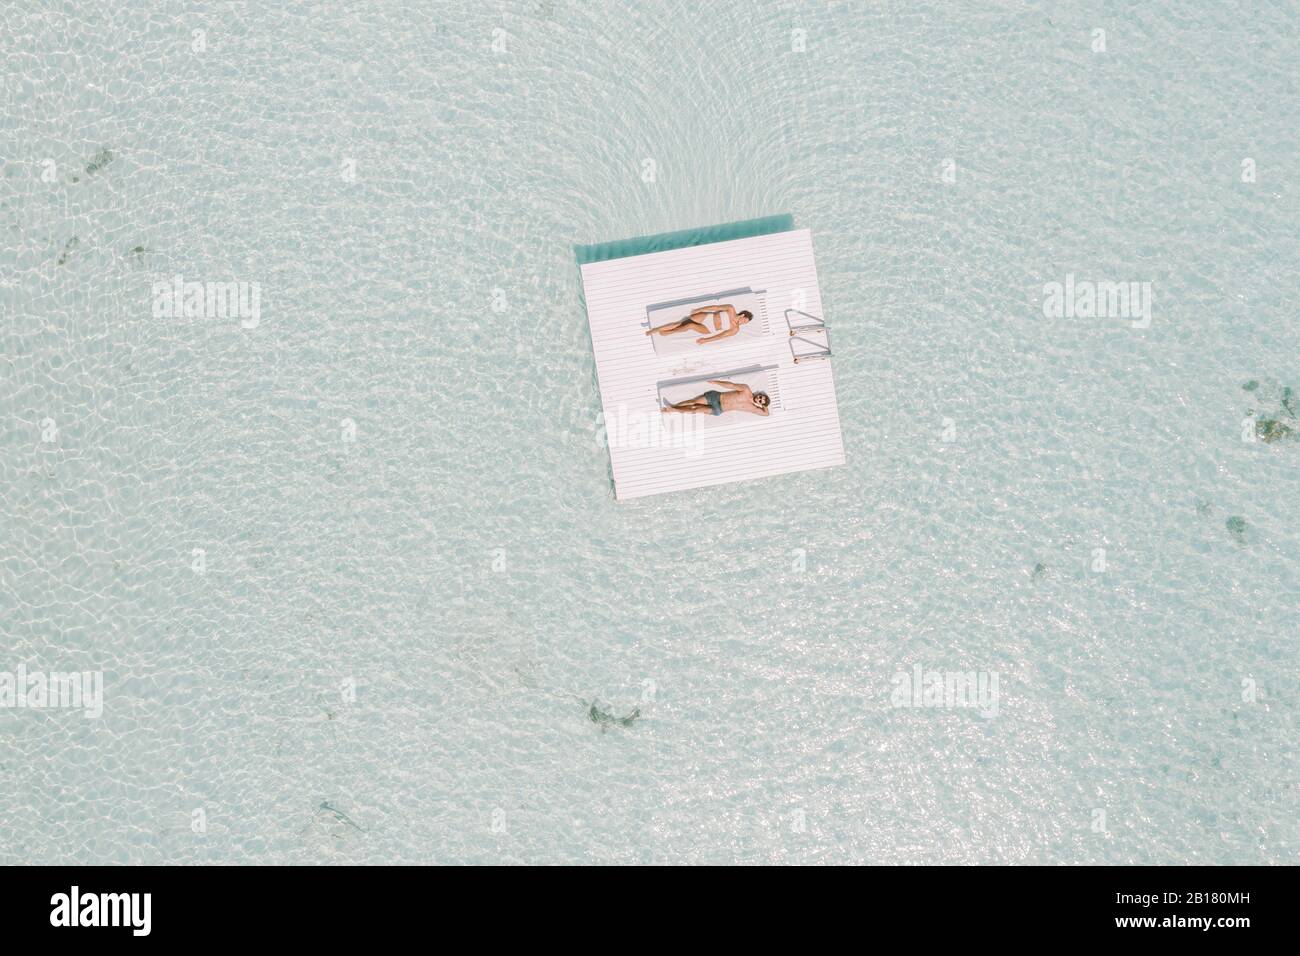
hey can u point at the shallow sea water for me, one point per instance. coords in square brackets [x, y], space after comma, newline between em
[402, 623]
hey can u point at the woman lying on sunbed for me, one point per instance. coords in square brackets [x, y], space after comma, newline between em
[713, 402]
[695, 322]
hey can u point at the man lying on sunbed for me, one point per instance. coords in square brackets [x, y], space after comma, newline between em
[713, 402]
[721, 315]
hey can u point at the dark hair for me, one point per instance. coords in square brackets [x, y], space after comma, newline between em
[761, 399]
[746, 313]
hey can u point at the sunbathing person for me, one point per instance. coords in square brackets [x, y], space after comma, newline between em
[712, 402]
[721, 315]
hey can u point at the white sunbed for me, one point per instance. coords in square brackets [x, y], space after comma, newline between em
[667, 313]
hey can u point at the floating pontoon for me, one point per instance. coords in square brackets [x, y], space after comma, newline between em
[764, 266]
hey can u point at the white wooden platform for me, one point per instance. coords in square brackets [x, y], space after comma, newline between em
[651, 455]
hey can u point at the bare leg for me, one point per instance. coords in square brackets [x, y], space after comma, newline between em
[692, 406]
[682, 326]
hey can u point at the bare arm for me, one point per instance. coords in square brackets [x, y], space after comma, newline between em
[738, 387]
[724, 334]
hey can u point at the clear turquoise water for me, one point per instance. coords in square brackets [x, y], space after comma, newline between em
[767, 732]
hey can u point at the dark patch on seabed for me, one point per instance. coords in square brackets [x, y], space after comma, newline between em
[1277, 424]
[1236, 526]
[67, 249]
[338, 814]
[100, 160]
[604, 718]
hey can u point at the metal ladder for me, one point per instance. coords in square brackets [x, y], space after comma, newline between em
[796, 335]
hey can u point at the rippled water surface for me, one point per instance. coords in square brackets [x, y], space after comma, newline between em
[354, 574]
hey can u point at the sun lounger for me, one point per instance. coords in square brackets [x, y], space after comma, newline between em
[667, 313]
[759, 379]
